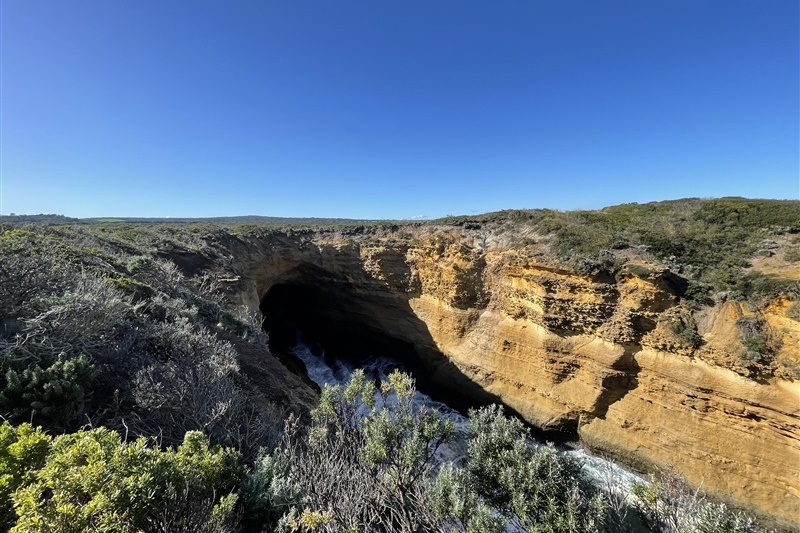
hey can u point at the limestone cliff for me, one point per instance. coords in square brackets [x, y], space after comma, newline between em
[621, 359]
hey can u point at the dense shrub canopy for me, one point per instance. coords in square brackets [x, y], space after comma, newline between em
[93, 481]
[93, 331]
[367, 463]
[711, 242]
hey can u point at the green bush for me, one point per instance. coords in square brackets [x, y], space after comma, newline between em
[534, 488]
[362, 465]
[713, 239]
[52, 394]
[697, 293]
[23, 450]
[28, 270]
[759, 342]
[92, 481]
[758, 286]
[685, 328]
[366, 464]
[640, 271]
[139, 263]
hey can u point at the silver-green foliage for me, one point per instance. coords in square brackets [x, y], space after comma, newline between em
[668, 505]
[364, 464]
[531, 488]
[367, 463]
[47, 367]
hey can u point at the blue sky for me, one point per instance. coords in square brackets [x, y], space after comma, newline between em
[375, 109]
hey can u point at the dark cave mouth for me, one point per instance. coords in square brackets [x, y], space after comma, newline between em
[330, 316]
[332, 320]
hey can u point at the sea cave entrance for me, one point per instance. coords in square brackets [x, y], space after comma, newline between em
[333, 315]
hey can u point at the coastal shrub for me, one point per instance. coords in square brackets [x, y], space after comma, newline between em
[640, 271]
[710, 240]
[49, 367]
[669, 505]
[697, 293]
[28, 270]
[366, 451]
[602, 263]
[367, 463]
[82, 316]
[51, 393]
[80, 303]
[362, 465]
[757, 286]
[759, 344]
[750, 214]
[534, 488]
[187, 383]
[92, 481]
[23, 450]
[455, 499]
[138, 263]
[685, 329]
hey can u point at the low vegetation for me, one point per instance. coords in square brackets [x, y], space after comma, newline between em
[760, 344]
[366, 462]
[91, 480]
[709, 242]
[683, 326]
[668, 505]
[91, 334]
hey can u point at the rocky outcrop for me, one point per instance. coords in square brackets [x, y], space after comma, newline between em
[620, 361]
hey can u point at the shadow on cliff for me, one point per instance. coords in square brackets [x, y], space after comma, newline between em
[617, 386]
[358, 321]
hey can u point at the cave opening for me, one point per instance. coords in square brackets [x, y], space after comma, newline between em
[327, 319]
[351, 322]
[331, 315]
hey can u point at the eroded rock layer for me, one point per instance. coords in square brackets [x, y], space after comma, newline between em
[620, 360]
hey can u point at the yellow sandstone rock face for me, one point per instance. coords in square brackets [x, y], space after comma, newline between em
[597, 355]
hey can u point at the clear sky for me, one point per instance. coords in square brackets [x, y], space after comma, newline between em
[394, 109]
